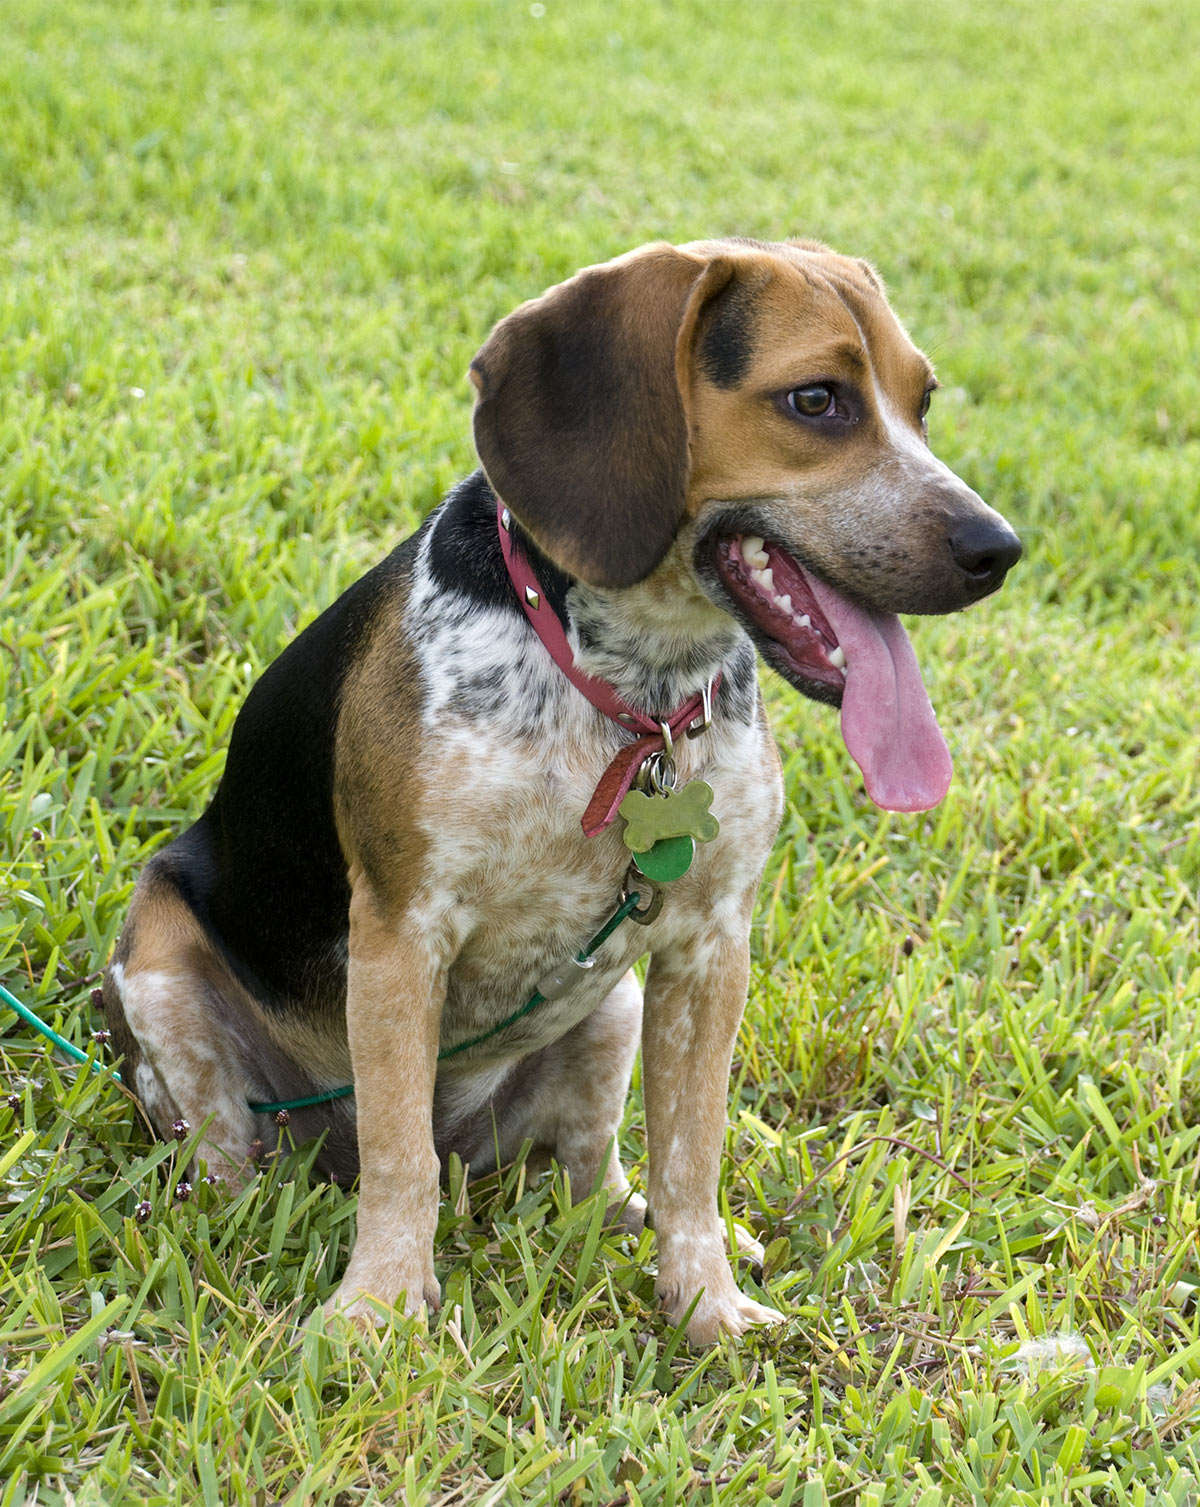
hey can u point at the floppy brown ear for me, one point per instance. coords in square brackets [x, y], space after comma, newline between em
[580, 422]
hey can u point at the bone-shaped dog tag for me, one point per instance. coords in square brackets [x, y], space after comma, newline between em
[674, 813]
[663, 829]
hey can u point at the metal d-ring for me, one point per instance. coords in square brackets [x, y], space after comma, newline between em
[635, 883]
[704, 722]
[661, 777]
[657, 774]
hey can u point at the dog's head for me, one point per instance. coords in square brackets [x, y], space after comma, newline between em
[752, 417]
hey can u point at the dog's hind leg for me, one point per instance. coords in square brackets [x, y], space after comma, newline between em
[163, 1002]
[568, 1099]
[583, 1092]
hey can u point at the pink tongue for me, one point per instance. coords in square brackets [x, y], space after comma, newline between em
[887, 721]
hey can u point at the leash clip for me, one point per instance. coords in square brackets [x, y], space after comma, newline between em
[635, 883]
[562, 980]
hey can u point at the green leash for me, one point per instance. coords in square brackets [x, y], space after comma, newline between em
[60, 1042]
[555, 984]
[583, 960]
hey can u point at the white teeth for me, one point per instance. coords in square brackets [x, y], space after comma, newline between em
[753, 552]
[784, 604]
[804, 620]
[765, 578]
[836, 657]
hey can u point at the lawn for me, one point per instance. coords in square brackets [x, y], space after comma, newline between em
[247, 252]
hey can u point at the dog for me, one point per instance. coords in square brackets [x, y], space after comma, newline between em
[688, 453]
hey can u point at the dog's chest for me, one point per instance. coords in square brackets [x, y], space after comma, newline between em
[532, 896]
[511, 882]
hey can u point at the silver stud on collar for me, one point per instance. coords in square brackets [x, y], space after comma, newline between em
[532, 598]
[506, 521]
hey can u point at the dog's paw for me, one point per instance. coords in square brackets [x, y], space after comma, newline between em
[694, 1263]
[732, 1313]
[747, 1248]
[628, 1214]
[373, 1303]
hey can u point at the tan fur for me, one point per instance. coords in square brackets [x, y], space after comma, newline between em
[694, 1004]
[395, 988]
[743, 448]
[379, 786]
[174, 970]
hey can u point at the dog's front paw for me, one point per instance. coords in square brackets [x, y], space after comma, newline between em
[368, 1297]
[697, 1264]
[732, 1313]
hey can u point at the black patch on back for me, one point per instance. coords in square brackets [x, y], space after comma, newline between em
[263, 868]
[727, 339]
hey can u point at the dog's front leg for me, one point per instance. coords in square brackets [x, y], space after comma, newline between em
[396, 987]
[694, 1001]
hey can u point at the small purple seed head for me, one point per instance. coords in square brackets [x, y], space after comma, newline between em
[181, 1130]
[97, 997]
[143, 1211]
[282, 1118]
[183, 1191]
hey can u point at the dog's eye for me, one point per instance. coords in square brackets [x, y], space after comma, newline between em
[812, 402]
[925, 402]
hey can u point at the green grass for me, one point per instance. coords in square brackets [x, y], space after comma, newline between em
[246, 253]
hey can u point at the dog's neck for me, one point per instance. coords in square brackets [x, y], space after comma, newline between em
[657, 643]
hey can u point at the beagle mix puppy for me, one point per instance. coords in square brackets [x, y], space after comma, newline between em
[697, 452]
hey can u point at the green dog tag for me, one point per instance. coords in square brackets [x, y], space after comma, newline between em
[669, 858]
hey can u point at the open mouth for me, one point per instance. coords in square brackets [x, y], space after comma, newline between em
[837, 651]
[777, 595]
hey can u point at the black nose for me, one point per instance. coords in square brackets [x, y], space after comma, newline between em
[984, 549]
